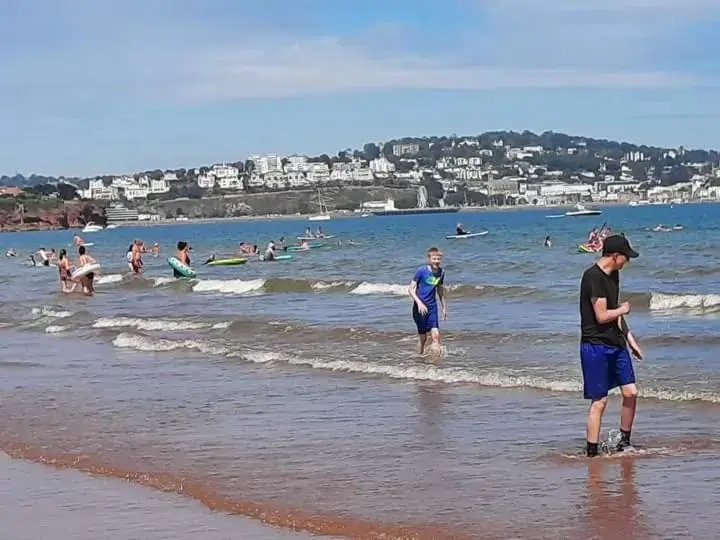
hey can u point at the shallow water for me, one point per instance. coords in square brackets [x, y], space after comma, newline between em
[289, 392]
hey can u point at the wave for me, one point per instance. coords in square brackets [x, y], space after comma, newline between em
[55, 329]
[413, 371]
[109, 278]
[47, 311]
[150, 325]
[685, 302]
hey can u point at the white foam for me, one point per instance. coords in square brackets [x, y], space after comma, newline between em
[110, 278]
[55, 329]
[231, 286]
[324, 285]
[668, 302]
[150, 325]
[222, 325]
[45, 311]
[160, 281]
[387, 289]
[144, 343]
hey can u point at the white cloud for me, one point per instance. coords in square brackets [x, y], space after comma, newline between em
[168, 58]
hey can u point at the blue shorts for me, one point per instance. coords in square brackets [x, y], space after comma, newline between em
[425, 323]
[604, 367]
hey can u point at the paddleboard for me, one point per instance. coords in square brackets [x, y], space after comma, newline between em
[84, 271]
[227, 262]
[308, 238]
[277, 258]
[583, 248]
[86, 244]
[468, 235]
[181, 267]
[309, 246]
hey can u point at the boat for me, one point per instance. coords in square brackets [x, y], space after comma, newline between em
[91, 227]
[323, 216]
[580, 211]
[466, 235]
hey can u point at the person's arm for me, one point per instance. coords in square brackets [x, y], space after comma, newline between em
[630, 338]
[441, 295]
[603, 315]
[412, 290]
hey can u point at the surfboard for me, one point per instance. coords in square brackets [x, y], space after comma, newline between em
[181, 267]
[468, 235]
[84, 271]
[277, 258]
[227, 262]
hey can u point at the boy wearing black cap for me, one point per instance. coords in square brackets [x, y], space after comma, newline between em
[605, 339]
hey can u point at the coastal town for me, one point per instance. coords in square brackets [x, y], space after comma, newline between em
[496, 168]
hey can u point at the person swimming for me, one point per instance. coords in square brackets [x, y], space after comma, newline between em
[10, 253]
[548, 242]
[44, 258]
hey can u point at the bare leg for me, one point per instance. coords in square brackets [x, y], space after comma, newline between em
[629, 404]
[422, 339]
[435, 347]
[594, 421]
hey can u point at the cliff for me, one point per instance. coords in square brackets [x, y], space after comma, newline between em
[283, 202]
[44, 215]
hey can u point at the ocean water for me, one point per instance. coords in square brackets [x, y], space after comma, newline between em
[290, 393]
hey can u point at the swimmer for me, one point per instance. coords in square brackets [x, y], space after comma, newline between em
[155, 250]
[44, 259]
[65, 270]
[182, 255]
[425, 288]
[548, 242]
[10, 253]
[87, 281]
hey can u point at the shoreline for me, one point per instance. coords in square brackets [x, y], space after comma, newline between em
[333, 216]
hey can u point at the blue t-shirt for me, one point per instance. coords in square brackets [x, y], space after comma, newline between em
[427, 283]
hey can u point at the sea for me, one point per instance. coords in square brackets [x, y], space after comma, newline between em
[286, 400]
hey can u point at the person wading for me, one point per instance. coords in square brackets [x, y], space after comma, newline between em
[604, 342]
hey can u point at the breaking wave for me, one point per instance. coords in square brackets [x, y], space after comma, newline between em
[411, 371]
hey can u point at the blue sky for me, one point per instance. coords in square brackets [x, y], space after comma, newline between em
[100, 86]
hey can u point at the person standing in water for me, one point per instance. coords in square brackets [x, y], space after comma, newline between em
[548, 242]
[182, 255]
[426, 287]
[87, 281]
[270, 251]
[136, 262]
[604, 342]
[65, 271]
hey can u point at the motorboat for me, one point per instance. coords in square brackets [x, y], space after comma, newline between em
[580, 210]
[91, 227]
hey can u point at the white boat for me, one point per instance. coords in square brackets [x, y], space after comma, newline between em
[467, 235]
[580, 210]
[323, 216]
[92, 227]
[111, 226]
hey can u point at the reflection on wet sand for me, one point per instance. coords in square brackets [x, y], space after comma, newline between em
[613, 504]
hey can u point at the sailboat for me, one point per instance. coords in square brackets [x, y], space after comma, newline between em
[323, 216]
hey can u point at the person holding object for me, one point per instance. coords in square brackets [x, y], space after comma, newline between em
[605, 339]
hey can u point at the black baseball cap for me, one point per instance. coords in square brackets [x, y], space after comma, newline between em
[618, 244]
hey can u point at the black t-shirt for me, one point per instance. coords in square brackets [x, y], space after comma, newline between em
[597, 284]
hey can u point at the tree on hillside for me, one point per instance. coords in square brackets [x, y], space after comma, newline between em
[370, 151]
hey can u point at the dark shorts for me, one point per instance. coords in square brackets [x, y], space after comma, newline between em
[425, 323]
[604, 367]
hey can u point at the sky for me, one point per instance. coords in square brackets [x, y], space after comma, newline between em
[106, 86]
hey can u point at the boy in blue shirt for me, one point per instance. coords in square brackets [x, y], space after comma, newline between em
[426, 284]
